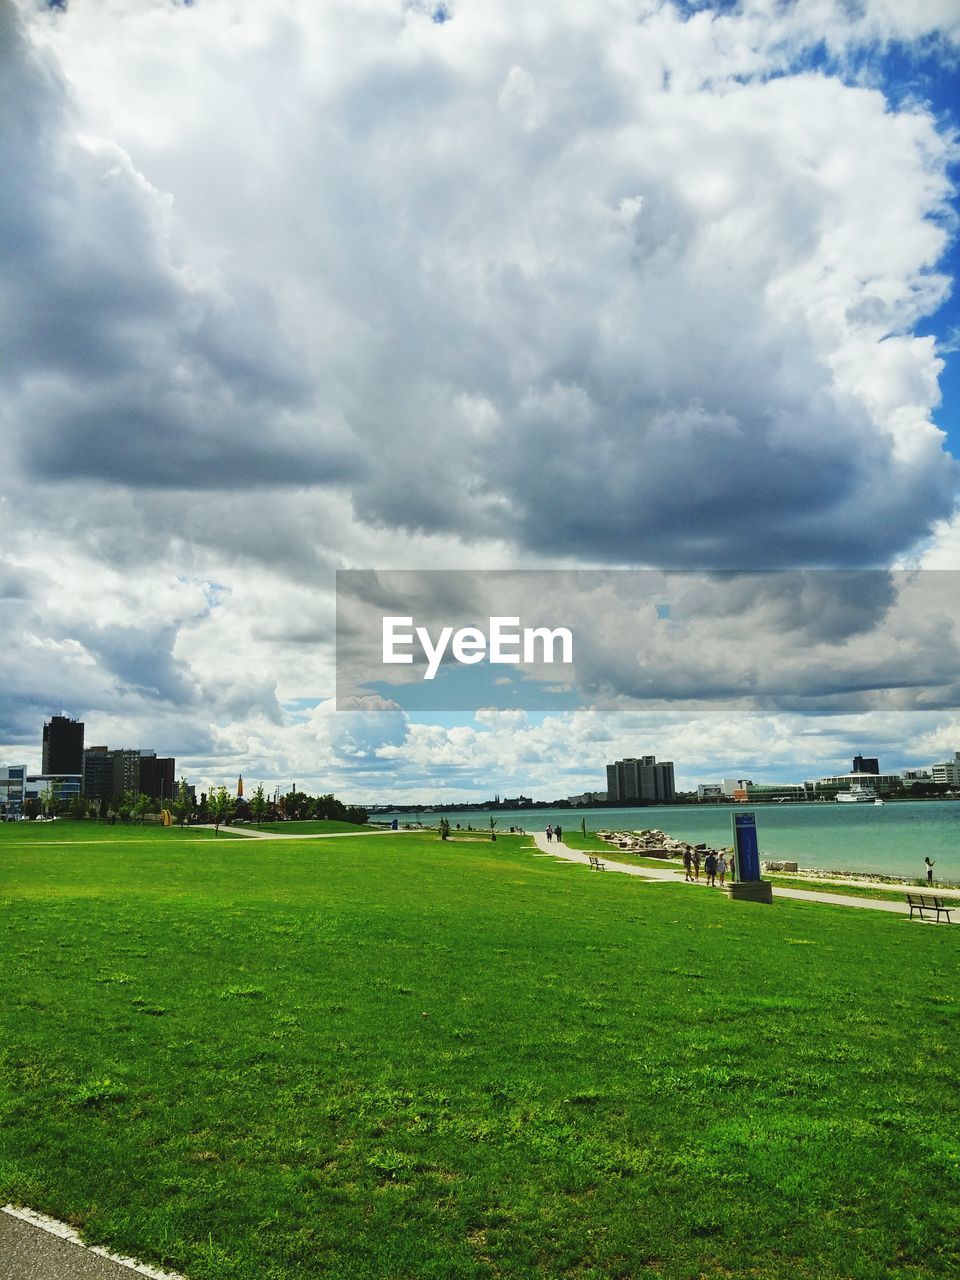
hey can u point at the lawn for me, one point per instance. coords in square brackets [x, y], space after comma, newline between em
[400, 1057]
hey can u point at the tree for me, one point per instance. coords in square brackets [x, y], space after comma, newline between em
[78, 807]
[181, 804]
[126, 806]
[220, 806]
[47, 801]
[258, 805]
[142, 805]
[444, 829]
[493, 823]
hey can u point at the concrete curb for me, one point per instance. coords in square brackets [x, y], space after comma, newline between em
[36, 1250]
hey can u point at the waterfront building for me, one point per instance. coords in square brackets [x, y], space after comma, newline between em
[947, 771]
[866, 764]
[642, 779]
[880, 783]
[710, 791]
[62, 746]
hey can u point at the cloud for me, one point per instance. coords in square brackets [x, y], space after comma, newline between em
[307, 287]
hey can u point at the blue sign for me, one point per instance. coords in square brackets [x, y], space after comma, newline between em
[746, 847]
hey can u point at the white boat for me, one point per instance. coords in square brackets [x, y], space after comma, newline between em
[858, 794]
[878, 801]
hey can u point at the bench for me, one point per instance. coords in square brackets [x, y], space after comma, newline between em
[922, 902]
[596, 864]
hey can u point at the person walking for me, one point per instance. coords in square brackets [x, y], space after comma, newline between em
[549, 833]
[687, 862]
[557, 833]
[710, 866]
[929, 866]
[722, 867]
[696, 865]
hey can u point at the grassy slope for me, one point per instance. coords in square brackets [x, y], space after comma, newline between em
[397, 1058]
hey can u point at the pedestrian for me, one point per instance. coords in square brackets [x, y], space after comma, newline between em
[557, 833]
[696, 865]
[687, 861]
[929, 866]
[549, 833]
[731, 867]
[710, 866]
[722, 867]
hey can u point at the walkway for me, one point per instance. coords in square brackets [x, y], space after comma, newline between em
[35, 1247]
[671, 875]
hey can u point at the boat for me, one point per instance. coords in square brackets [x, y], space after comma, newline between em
[878, 801]
[858, 794]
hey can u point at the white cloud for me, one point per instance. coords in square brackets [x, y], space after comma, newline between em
[293, 287]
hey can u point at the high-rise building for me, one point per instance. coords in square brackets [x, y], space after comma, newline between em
[98, 773]
[866, 764]
[126, 772]
[108, 774]
[640, 779]
[62, 746]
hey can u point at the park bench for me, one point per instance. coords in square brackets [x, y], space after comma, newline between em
[922, 902]
[596, 864]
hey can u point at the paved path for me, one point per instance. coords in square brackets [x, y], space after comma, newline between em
[256, 834]
[665, 875]
[29, 1251]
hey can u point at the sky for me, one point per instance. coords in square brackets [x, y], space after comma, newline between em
[288, 288]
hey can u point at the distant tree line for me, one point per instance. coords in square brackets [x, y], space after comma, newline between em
[218, 807]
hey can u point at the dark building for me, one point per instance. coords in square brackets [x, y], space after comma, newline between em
[98, 773]
[157, 776]
[62, 746]
[866, 764]
[640, 779]
[108, 774]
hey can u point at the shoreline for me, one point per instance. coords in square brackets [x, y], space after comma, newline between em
[658, 845]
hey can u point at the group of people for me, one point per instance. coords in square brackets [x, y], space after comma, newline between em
[554, 831]
[714, 865]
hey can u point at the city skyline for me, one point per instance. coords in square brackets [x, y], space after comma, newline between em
[421, 287]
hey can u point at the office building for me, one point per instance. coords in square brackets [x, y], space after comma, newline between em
[641, 780]
[98, 773]
[107, 774]
[866, 764]
[63, 787]
[12, 780]
[157, 776]
[62, 746]
[947, 771]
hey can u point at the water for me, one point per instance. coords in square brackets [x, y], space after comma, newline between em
[891, 839]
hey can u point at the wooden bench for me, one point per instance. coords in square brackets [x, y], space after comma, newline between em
[922, 902]
[596, 864]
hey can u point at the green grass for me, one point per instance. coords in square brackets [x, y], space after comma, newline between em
[890, 894]
[405, 1058]
[68, 831]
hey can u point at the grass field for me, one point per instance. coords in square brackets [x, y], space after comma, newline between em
[404, 1058]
